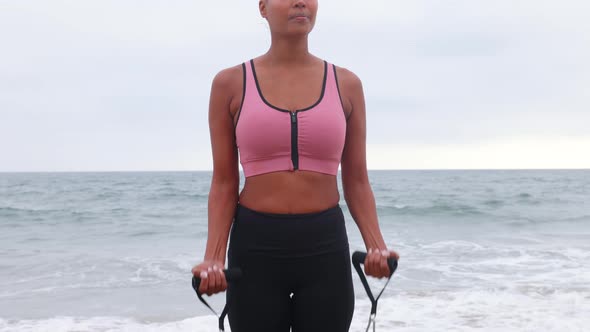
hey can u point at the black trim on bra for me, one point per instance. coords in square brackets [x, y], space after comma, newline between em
[284, 110]
[243, 94]
[339, 95]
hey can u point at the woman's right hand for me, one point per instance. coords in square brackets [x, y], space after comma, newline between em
[212, 277]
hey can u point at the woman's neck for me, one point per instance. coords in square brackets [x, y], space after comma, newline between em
[288, 51]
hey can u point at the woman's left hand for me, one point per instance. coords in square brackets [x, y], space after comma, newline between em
[376, 262]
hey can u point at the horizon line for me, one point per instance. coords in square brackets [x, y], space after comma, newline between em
[339, 171]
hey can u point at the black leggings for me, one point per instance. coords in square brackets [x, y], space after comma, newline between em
[296, 272]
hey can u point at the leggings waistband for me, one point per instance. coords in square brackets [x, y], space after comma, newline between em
[329, 211]
[288, 235]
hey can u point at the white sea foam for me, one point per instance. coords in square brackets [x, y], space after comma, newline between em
[479, 310]
[109, 324]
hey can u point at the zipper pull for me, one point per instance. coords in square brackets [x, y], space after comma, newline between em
[293, 117]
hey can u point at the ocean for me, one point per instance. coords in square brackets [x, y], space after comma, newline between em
[481, 250]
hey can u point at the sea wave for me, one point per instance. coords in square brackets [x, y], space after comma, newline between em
[430, 210]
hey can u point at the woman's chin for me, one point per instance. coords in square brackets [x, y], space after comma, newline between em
[298, 31]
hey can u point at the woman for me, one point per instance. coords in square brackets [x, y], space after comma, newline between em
[292, 118]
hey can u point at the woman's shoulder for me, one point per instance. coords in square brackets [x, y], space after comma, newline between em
[229, 77]
[347, 79]
[227, 88]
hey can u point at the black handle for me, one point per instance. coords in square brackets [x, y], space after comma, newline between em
[231, 275]
[358, 257]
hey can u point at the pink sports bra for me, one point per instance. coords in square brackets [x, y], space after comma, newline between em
[271, 139]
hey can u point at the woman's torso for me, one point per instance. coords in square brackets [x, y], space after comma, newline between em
[288, 88]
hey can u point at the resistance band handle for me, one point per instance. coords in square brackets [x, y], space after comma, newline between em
[231, 275]
[359, 257]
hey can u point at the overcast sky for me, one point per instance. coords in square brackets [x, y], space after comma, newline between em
[124, 85]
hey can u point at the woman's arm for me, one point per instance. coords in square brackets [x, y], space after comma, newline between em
[355, 180]
[223, 195]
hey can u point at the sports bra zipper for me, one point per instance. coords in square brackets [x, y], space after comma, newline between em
[294, 145]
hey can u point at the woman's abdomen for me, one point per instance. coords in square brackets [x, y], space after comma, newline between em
[290, 192]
